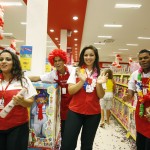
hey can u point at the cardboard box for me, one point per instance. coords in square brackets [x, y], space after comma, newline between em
[45, 117]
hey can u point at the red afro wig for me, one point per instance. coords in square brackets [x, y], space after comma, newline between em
[57, 53]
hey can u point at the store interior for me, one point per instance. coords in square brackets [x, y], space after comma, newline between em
[92, 16]
[118, 32]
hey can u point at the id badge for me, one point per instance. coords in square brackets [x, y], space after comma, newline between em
[63, 90]
[144, 91]
[1, 103]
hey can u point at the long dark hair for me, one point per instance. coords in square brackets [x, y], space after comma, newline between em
[96, 62]
[16, 70]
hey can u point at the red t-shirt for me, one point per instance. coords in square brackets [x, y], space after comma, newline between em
[17, 116]
[85, 103]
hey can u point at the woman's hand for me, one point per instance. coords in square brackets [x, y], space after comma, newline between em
[81, 74]
[102, 78]
[19, 100]
[148, 113]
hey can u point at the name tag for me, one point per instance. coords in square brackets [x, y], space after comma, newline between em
[63, 90]
[1, 103]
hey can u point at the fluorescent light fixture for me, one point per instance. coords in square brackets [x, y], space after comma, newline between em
[23, 23]
[103, 36]
[19, 41]
[4, 45]
[113, 25]
[117, 52]
[128, 5]
[123, 49]
[7, 34]
[144, 38]
[132, 44]
[11, 3]
[99, 43]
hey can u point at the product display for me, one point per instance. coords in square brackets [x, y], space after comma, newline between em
[124, 111]
[45, 118]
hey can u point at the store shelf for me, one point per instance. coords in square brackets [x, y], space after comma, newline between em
[123, 111]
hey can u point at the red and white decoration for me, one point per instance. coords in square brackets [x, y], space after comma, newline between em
[1, 21]
[117, 60]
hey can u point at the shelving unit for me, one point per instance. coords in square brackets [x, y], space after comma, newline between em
[124, 111]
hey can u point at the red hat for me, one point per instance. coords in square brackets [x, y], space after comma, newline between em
[57, 53]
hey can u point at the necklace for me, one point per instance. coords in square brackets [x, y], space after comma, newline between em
[143, 93]
[90, 82]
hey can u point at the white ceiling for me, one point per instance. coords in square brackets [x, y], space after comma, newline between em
[136, 22]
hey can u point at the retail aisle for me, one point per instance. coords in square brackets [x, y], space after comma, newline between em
[112, 137]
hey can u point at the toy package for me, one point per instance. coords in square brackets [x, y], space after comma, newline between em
[131, 123]
[45, 118]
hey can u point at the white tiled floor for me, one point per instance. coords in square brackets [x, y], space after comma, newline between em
[112, 137]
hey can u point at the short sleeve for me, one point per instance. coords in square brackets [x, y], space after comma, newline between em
[31, 91]
[49, 77]
[72, 77]
[131, 83]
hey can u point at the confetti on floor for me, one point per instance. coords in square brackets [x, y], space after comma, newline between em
[112, 137]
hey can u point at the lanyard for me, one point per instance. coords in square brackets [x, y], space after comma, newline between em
[4, 90]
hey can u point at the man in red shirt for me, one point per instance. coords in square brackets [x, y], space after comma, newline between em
[140, 82]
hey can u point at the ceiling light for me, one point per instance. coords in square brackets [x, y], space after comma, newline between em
[56, 38]
[128, 5]
[123, 49]
[117, 52]
[75, 18]
[75, 31]
[4, 45]
[144, 38]
[19, 41]
[113, 25]
[103, 36]
[76, 39]
[132, 44]
[75, 44]
[51, 30]
[11, 3]
[98, 48]
[100, 43]
[23, 23]
[7, 34]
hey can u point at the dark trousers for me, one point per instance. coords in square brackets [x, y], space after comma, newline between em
[74, 123]
[62, 129]
[142, 142]
[15, 138]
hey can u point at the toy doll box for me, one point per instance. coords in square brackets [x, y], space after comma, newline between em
[45, 117]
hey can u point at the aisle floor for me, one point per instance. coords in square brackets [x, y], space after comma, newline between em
[112, 137]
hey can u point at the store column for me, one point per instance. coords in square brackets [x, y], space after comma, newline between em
[63, 40]
[36, 33]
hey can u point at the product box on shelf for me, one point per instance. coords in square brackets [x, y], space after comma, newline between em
[131, 123]
[125, 119]
[45, 117]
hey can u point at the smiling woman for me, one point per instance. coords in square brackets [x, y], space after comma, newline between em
[12, 81]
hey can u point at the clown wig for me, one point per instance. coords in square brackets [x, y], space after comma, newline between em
[57, 53]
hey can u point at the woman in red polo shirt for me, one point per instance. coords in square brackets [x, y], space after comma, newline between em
[85, 85]
[14, 128]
